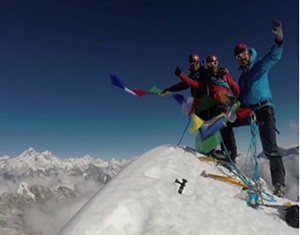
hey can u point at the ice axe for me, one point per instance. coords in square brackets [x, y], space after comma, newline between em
[182, 185]
[284, 206]
[225, 179]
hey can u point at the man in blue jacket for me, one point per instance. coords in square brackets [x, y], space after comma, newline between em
[256, 94]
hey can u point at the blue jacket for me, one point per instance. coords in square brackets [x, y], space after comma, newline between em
[254, 81]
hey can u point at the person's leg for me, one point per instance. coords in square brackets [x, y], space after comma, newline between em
[229, 141]
[267, 131]
[228, 136]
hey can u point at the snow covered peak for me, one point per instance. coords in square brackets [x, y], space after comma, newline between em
[31, 162]
[144, 199]
[24, 190]
[86, 159]
[47, 153]
[5, 157]
[28, 153]
[34, 160]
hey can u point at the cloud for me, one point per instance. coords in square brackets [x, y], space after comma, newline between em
[49, 218]
[291, 164]
[294, 125]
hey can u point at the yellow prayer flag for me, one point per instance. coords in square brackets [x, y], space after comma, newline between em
[197, 123]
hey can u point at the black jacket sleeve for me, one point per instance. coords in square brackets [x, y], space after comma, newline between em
[178, 87]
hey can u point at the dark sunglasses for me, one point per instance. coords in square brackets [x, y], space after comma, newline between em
[241, 54]
[213, 63]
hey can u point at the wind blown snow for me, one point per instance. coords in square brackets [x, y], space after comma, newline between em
[144, 199]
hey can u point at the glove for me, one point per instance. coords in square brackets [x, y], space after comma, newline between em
[164, 92]
[177, 71]
[222, 72]
[277, 30]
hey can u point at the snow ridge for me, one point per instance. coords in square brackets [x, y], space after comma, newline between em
[144, 199]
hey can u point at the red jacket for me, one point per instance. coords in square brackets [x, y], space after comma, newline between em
[214, 89]
[195, 92]
[218, 91]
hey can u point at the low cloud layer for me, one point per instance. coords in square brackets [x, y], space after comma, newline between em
[294, 125]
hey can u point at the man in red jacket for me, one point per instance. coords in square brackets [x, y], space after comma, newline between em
[215, 81]
[218, 89]
[196, 72]
[220, 85]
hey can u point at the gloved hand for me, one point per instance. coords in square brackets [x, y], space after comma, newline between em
[222, 72]
[164, 92]
[277, 30]
[177, 71]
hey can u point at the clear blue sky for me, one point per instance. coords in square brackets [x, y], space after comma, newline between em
[55, 57]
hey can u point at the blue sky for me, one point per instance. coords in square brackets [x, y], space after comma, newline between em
[56, 56]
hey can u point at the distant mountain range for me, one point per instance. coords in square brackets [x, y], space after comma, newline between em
[284, 152]
[33, 178]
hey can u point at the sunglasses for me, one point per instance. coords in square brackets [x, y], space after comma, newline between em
[241, 54]
[213, 63]
[194, 62]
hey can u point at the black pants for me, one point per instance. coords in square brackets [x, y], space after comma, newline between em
[267, 131]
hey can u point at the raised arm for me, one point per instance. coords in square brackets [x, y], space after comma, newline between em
[187, 80]
[275, 54]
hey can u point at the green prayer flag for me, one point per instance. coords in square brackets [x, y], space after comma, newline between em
[206, 103]
[154, 90]
[205, 145]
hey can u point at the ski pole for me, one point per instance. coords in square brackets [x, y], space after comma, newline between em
[179, 142]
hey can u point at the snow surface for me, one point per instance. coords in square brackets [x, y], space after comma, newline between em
[144, 199]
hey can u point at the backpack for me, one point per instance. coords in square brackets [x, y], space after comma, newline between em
[292, 216]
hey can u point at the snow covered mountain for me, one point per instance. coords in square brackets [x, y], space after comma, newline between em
[284, 152]
[40, 193]
[30, 159]
[32, 181]
[31, 164]
[144, 199]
